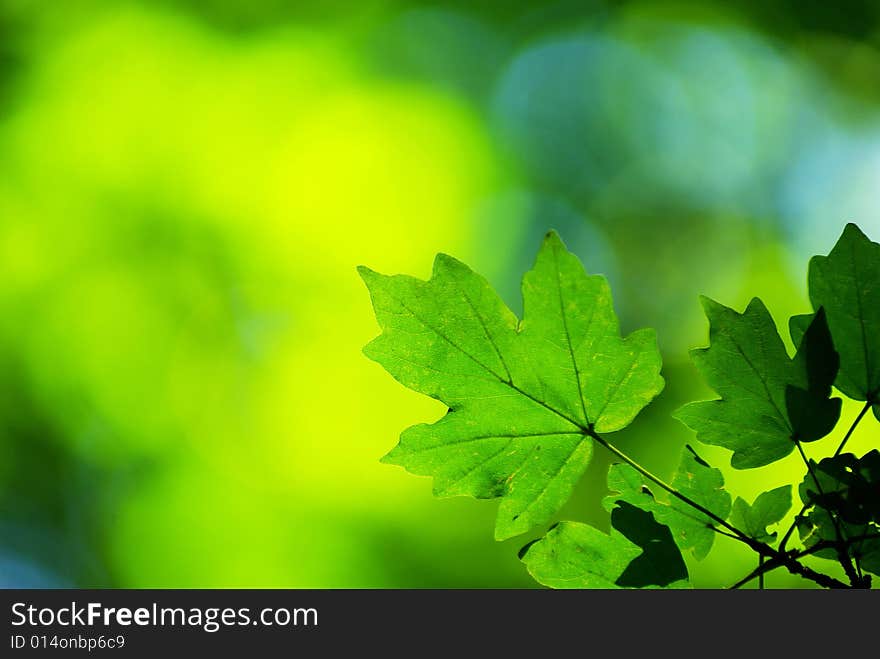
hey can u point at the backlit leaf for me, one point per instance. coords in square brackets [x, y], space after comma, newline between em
[574, 555]
[768, 509]
[846, 283]
[523, 396]
[696, 480]
[767, 399]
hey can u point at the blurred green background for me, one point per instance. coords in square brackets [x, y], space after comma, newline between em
[186, 188]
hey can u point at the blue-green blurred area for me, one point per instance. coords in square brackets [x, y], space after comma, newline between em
[185, 191]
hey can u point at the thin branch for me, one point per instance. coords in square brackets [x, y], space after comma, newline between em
[852, 428]
[791, 528]
[774, 564]
[759, 571]
[840, 448]
[762, 549]
[678, 495]
[842, 553]
[792, 565]
[857, 551]
[724, 533]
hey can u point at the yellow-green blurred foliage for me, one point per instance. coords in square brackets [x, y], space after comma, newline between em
[186, 189]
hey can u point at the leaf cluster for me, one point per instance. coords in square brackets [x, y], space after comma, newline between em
[530, 401]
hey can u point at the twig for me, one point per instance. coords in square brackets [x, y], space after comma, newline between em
[762, 549]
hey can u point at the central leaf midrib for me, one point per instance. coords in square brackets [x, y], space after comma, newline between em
[861, 319]
[762, 381]
[469, 440]
[577, 373]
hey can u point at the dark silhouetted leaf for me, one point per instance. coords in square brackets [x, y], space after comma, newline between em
[694, 479]
[848, 487]
[767, 399]
[868, 554]
[846, 283]
[862, 541]
[660, 563]
[848, 490]
[810, 410]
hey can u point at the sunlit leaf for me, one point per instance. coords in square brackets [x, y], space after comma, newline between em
[574, 555]
[696, 480]
[768, 509]
[523, 397]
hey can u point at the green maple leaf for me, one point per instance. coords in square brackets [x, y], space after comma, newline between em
[768, 400]
[647, 554]
[660, 564]
[639, 552]
[575, 555]
[705, 485]
[768, 509]
[846, 283]
[696, 480]
[524, 397]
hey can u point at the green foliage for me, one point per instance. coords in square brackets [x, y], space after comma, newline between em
[568, 550]
[639, 552]
[529, 400]
[846, 486]
[846, 283]
[767, 399]
[695, 479]
[843, 493]
[768, 509]
[524, 397]
[704, 485]
[574, 555]
[660, 563]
